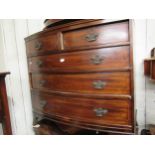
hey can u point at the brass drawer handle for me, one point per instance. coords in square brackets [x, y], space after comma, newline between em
[38, 45]
[100, 112]
[99, 84]
[96, 60]
[91, 37]
[42, 83]
[39, 63]
[43, 103]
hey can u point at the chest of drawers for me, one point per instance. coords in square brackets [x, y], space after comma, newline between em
[81, 75]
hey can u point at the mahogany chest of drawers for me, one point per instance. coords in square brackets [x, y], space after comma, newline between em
[81, 75]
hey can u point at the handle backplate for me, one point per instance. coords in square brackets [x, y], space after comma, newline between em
[43, 103]
[96, 60]
[38, 45]
[99, 84]
[42, 83]
[39, 63]
[91, 37]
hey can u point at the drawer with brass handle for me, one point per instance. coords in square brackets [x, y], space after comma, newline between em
[84, 61]
[42, 45]
[96, 36]
[114, 83]
[96, 111]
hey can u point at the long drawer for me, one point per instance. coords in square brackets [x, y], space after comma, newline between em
[85, 61]
[96, 36]
[100, 83]
[96, 111]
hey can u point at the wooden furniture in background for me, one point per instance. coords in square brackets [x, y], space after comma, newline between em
[4, 109]
[149, 70]
[81, 76]
[149, 67]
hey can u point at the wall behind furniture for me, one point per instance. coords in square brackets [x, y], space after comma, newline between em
[13, 59]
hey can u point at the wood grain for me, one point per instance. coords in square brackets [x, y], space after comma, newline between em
[43, 45]
[82, 109]
[106, 34]
[115, 83]
[4, 107]
[115, 58]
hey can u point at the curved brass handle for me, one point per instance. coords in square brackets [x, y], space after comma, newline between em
[39, 63]
[99, 84]
[38, 45]
[97, 59]
[43, 103]
[42, 83]
[91, 37]
[100, 112]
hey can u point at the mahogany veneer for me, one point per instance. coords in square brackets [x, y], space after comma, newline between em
[4, 108]
[81, 76]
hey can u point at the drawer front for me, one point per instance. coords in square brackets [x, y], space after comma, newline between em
[42, 45]
[99, 83]
[96, 111]
[96, 36]
[92, 60]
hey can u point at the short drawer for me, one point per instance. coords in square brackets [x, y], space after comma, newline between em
[42, 45]
[95, 111]
[96, 36]
[93, 83]
[86, 61]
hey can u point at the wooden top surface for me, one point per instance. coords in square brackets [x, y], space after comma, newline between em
[4, 73]
[149, 59]
[55, 22]
[71, 25]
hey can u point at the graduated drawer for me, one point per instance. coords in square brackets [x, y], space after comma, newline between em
[96, 36]
[93, 83]
[42, 45]
[96, 111]
[90, 60]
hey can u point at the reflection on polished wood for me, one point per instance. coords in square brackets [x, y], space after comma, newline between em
[81, 76]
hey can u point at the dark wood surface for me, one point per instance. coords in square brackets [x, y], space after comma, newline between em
[4, 108]
[113, 83]
[96, 36]
[104, 59]
[149, 67]
[83, 109]
[81, 66]
[42, 45]
[55, 22]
